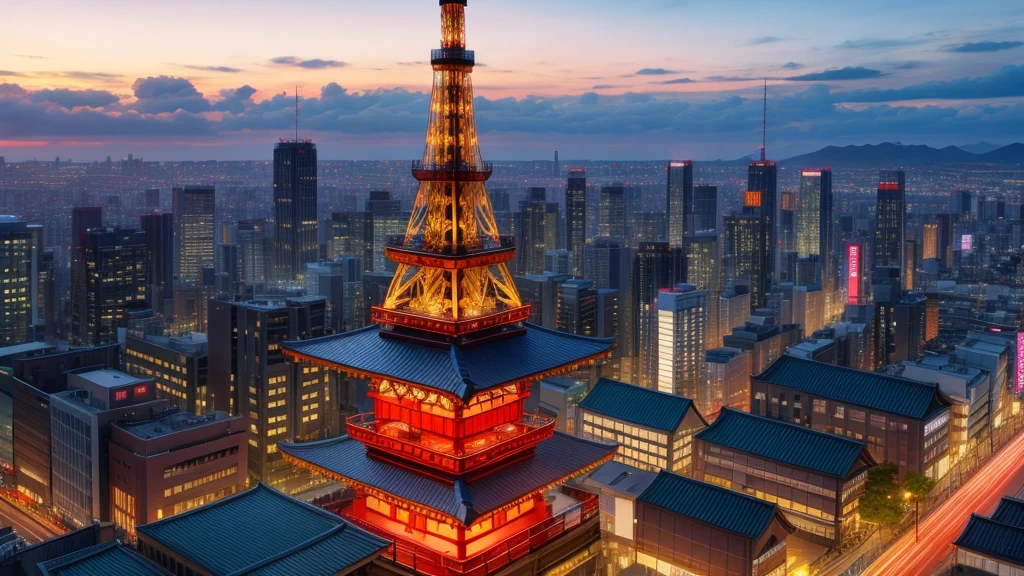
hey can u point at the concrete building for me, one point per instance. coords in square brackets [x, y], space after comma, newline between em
[108, 284]
[194, 210]
[576, 219]
[577, 307]
[541, 291]
[295, 207]
[816, 478]
[559, 397]
[726, 382]
[682, 336]
[178, 364]
[20, 253]
[809, 308]
[558, 262]
[174, 463]
[341, 283]
[654, 430]
[732, 311]
[536, 230]
[765, 341]
[970, 391]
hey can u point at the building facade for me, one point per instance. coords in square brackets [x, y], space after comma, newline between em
[576, 219]
[194, 210]
[177, 364]
[682, 340]
[295, 208]
[109, 283]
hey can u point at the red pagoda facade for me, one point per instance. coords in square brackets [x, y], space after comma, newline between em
[449, 467]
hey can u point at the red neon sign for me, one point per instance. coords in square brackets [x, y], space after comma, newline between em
[120, 395]
[853, 274]
[889, 186]
[141, 390]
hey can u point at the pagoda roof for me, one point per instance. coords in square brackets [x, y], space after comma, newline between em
[555, 460]
[106, 558]
[459, 370]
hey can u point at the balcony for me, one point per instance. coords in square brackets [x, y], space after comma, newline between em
[509, 545]
[452, 171]
[439, 452]
[484, 251]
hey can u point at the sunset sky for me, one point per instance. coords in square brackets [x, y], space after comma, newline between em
[644, 79]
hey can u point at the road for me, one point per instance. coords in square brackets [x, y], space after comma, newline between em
[26, 527]
[1003, 475]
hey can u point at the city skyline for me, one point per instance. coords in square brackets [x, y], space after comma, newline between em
[635, 86]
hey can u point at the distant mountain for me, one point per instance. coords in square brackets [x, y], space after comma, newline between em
[979, 147]
[889, 154]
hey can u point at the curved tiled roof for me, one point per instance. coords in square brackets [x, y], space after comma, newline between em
[555, 459]
[641, 406]
[784, 442]
[107, 558]
[261, 531]
[459, 370]
[995, 539]
[890, 394]
[1010, 511]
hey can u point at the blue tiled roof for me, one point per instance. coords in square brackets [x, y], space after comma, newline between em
[107, 558]
[459, 370]
[784, 442]
[261, 531]
[556, 459]
[995, 539]
[890, 394]
[1010, 511]
[641, 406]
[710, 504]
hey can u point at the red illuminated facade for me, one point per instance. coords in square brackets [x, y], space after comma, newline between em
[449, 466]
[853, 273]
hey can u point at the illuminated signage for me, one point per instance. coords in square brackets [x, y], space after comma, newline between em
[936, 424]
[1019, 383]
[853, 273]
[811, 174]
[120, 395]
[889, 186]
[752, 198]
[967, 242]
[141, 390]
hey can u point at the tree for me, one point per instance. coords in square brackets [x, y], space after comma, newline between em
[918, 484]
[882, 502]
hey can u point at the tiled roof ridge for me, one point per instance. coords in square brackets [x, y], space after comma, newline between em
[79, 555]
[342, 527]
[788, 358]
[291, 344]
[206, 508]
[727, 411]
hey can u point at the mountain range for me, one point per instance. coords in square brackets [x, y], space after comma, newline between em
[890, 154]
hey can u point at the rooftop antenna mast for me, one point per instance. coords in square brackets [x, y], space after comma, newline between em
[297, 114]
[764, 121]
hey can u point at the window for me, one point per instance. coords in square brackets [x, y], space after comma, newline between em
[820, 407]
[840, 412]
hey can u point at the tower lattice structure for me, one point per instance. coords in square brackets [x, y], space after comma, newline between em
[452, 277]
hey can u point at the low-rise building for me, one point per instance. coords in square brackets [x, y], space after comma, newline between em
[993, 545]
[654, 429]
[727, 381]
[816, 478]
[684, 526]
[903, 421]
[558, 397]
[765, 340]
[619, 485]
[174, 463]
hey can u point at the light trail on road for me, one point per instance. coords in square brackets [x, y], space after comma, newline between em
[1002, 475]
[26, 527]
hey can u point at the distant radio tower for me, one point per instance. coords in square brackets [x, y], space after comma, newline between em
[764, 122]
[297, 115]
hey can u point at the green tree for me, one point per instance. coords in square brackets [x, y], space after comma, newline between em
[882, 502]
[918, 484]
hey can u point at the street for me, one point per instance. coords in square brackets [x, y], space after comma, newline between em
[1003, 475]
[28, 528]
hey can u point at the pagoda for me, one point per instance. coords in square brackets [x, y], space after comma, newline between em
[449, 467]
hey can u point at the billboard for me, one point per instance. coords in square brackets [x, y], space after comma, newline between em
[967, 242]
[1018, 384]
[853, 273]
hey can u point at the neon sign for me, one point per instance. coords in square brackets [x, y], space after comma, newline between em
[853, 274]
[141, 390]
[120, 395]
[1019, 384]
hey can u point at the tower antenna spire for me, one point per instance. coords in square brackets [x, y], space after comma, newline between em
[764, 122]
[297, 113]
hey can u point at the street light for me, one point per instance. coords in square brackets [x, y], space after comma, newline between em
[908, 496]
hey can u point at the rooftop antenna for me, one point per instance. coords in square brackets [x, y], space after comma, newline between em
[297, 114]
[764, 121]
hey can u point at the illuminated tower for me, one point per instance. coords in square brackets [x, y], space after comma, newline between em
[679, 201]
[193, 230]
[576, 219]
[449, 467]
[295, 224]
[890, 232]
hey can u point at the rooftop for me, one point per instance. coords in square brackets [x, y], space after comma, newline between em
[890, 394]
[620, 477]
[784, 442]
[107, 558]
[111, 378]
[169, 424]
[714, 505]
[641, 406]
[993, 539]
[461, 371]
[26, 348]
[267, 533]
[1010, 511]
[723, 355]
[556, 459]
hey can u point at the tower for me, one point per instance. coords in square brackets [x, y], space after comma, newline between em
[679, 201]
[576, 219]
[762, 176]
[612, 213]
[159, 230]
[193, 230]
[890, 232]
[682, 339]
[295, 202]
[449, 467]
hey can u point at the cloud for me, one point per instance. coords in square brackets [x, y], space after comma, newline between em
[74, 98]
[729, 79]
[80, 75]
[835, 74]
[975, 47]
[763, 40]
[223, 69]
[912, 65]
[311, 64]
[604, 87]
[165, 94]
[654, 72]
[877, 43]
[1006, 82]
[31, 56]
[235, 101]
[791, 66]
[415, 63]
[676, 81]
[10, 73]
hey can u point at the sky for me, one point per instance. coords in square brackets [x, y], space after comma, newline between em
[594, 79]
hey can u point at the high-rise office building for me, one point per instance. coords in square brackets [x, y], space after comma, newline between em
[787, 236]
[178, 364]
[960, 204]
[705, 209]
[745, 261]
[536, 231]
[702, 268]
[255, 254]
[295, 208]
[153, 198]
[611, 221]
[762, 176]
[193, 230]
[607, 262]
[108, 283]
[351, 234]
[388, 222]
[679, 201]
[341, 283]
[682, 334]
[83, 219]
[909, 263]
[577, 307]
[930, 241]
[814, 224]
[656, 266]
[576, 219]
[19, 264]
[159, 230]
[557, 261]
[890, 232]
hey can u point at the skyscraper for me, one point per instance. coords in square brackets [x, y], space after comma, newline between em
[577, 307]
[702, 268]
[193, 226]
[890, 232]
[19, 262]
[960, 204]
[352, 235]
[682, 334]
[656, 266]
[83, 219]
[159, 230]
[705, 209]
[787, 236]
[254, 252]
[536, 231]
[814, 225]
[762, 176]
[611, 222]
[930, 243]
[388, 222]
[341, 282]
[576, 219]
[679, 201]
[745, 261]
[295, 208]
[108, 283]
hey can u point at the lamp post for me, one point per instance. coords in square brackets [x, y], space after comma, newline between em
[908, 496]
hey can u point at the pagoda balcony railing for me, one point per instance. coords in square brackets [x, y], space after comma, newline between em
[423, 560]
[529, 431]
[486, 251]
[451, 171]
[452, 56]
[488, 243]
